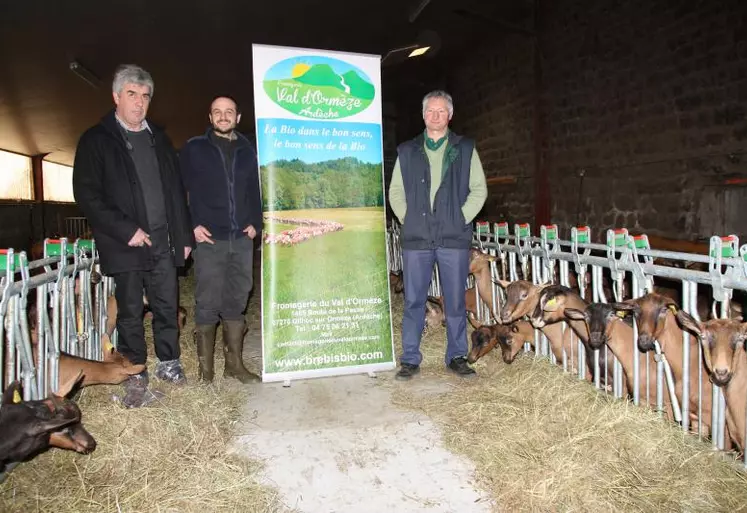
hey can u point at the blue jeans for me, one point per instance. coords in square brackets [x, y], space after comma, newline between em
[453, 268]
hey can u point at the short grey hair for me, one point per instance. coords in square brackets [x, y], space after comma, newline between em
[439, 94]
[131, 74]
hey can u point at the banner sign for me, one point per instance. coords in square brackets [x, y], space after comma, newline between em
[325, 285]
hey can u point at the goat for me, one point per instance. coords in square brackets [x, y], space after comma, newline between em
[114, 368]
[522, 299]
[551, 305]
[479, 267]
[510, 337]
[656, 316]
[396, 282]
[607, 326]
[724, 354]
[30, 427]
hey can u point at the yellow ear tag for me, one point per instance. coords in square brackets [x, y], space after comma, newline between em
[673, 309]
[108, 347]
[621, 313]
[551, 302]
[16, 397]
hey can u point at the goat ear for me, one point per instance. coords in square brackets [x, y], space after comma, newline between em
[575, 315]
[67, 387]
[502, 283]
[473, 321]
[12, 394]
[686, 321]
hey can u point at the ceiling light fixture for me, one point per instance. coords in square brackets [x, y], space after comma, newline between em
[427, 41]
[85, 74]
[419, 51]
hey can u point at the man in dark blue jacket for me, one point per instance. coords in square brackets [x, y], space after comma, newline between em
[222, 180]
[438, 187]
[127, 182]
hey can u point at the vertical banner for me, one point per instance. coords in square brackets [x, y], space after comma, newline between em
[325, 285]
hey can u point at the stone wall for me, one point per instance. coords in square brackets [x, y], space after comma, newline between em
[645, 120]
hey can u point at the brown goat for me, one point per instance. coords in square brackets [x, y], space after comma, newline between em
[396, 282]
[510, 337]
[552, 302]
[522, 298]
[657, 320]
[724, 354]
[114, 368]
[606, 326]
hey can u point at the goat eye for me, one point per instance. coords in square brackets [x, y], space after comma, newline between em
[515, 329]
[523, 295]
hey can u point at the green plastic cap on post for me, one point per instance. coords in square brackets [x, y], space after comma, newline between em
[501, 230]
[523, 231]
[581, 234]
[640, 241]
[483, 227]
[53, 247]
[6, 262]
[85, 244]
[617, 237]
[549, 232]
[729, 247]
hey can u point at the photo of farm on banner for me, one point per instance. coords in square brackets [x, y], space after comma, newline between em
[325, 287]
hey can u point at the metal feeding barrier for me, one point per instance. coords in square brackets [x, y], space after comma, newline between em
[630, 269]
[67, 294]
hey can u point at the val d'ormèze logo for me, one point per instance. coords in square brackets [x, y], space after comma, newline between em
[319, 87]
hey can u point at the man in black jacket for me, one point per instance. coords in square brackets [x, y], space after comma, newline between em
[127, 182]
[222, 180]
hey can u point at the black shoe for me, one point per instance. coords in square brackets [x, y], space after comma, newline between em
[459, 367]
[407, 371]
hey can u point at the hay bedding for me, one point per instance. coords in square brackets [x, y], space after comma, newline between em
[170, 457]
[542, 440]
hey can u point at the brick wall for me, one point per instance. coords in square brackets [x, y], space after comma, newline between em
[646, 99]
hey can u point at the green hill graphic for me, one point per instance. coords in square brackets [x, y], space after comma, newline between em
[359, 87]
[321, 75]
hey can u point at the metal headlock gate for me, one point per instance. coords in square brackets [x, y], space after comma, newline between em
[627, 262]
[71, 314]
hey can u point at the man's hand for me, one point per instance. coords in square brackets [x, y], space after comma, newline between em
[139, 239]
[250, 231]
[202, 234]
[187, 251]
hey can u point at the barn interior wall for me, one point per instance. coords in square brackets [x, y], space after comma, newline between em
[645, 121]
[23, 224]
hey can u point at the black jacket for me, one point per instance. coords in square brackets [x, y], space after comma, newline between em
[223, 200]
[108, 191]
[443, 226]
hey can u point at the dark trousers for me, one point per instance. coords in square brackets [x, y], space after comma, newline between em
[453, 268]
[161, 289]
[223, 279]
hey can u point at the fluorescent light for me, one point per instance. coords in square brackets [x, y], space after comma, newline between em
[85, 74]
[419, 51]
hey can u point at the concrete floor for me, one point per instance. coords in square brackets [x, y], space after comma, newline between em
[339, 445]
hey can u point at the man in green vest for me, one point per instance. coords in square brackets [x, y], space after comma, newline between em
[438, 187]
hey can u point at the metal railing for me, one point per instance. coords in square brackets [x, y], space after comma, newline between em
[631, 269]
[69, 299]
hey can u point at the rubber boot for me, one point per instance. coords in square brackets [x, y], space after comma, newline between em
[233, 342]
[205, 340]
